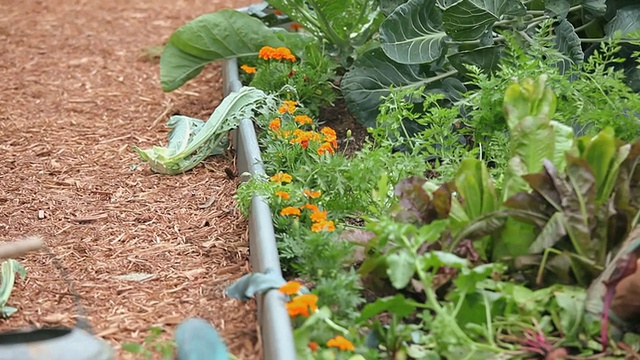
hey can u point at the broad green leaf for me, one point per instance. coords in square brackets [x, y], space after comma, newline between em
[563, 137]
[600, 152]
[397, 305]
[467, 279]
[176, 158]
[436, 259]
[627, 20]
[413, 34]
[474, 185]
[469, 19]
[372, 75]
[400, 268]
[552, 232]
[9, 269]
[466, 21]
[594, 7]
[570, 303]
[514, 240]
[627, 186]
[528, 106]
[486, 58]
[482, 226]
[568, 43]
[503, 7]
[216, 36]
[388, 6]
[340, 23]
[529, 98]
[557, 8]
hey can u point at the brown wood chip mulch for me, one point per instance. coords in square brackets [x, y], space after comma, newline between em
[76, 93]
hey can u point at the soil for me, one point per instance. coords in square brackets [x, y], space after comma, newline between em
[77, 92]
[341, 120]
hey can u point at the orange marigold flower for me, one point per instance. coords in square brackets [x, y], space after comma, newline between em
[281, 177]
[290, 210]
[275, 124]
[312, 194]
[300, 305]
[281, 53]
[303, 137]
[283, 195]
[287, 106]
[323, 226]
[291, 288]
[265, 52]
[329, 134]
[313, 346]
[296, 26]
[303, 119]
[341, 343]
[277, 12]
[325, 147]
[311, 207]
[248, 69]
[319, 217]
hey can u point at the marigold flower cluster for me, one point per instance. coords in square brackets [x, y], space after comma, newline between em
[288, 106]
[318, 217]
[305, 305]
[280, 53]
[327, 138]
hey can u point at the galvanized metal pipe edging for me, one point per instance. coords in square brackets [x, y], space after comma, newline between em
[275, 324]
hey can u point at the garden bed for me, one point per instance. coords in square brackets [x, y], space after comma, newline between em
[471, 222]
[80, 87]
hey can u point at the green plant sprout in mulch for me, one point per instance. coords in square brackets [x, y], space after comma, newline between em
[9, 268]
[493, 212]
[152, 345]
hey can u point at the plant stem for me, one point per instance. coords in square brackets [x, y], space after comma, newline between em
[597, 40]
[584, 26]
[327, 26]
[432, 301]
[437, 77]
[487, 314]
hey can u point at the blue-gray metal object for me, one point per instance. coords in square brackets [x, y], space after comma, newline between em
[196, 339]
[275, 325]
[53, 344]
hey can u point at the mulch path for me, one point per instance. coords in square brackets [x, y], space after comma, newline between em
[77, 92]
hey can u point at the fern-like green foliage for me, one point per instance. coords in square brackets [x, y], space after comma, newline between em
[591, 96]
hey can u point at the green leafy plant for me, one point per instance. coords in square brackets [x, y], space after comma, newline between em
[152, 345]
[432, 42]
[308, 80]
[192, 140]
[9, 270]
[225, 34]
[342, 25]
